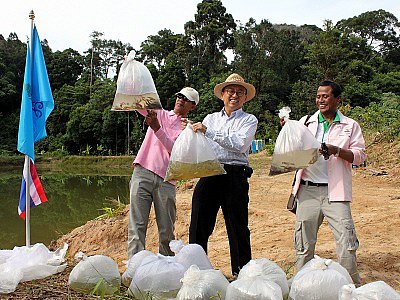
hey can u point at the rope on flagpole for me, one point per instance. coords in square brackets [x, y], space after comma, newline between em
[27, 159]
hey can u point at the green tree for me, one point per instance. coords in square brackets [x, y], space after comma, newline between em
[389, 82]
[270, 57]
[170, 80]
[379, 27]
[84, 128]
[210, 34]
[382, 119]
[12, 66]
[156, 48]
[66, 100]
[64, 67]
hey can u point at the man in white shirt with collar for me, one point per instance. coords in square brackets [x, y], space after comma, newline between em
[324, 190]
[231, 132]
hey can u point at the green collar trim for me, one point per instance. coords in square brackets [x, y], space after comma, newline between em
[321, 119]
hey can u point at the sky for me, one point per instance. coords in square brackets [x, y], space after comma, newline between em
[69, 23]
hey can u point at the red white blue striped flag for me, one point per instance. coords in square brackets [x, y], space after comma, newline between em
[37, 195]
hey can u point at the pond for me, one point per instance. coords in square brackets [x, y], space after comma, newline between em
[72, 201]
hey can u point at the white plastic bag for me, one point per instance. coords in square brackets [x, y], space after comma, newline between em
[29, 263]
[191, 254]
[192, 157]
[157, 276]
[269, 271]
[9, 279]
[254, 286]
[295, 146]
[202, 285]
[377, 290]
[132, 265]
[319, 279]
[96, 270]
[135, 87]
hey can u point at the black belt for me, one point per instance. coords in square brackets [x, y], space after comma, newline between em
[241, 169]
[303, 182]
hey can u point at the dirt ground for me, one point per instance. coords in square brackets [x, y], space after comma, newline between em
[375, 208]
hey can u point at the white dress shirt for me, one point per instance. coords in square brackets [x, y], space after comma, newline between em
[231, 137]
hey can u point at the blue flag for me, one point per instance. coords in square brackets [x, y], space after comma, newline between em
[37, 99]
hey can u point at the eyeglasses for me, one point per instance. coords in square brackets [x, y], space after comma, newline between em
[184, 98]
[231, 92]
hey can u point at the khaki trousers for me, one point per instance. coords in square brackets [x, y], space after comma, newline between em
[313, 207]
[147, 188]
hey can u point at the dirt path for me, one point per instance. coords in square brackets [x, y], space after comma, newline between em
[376, 211]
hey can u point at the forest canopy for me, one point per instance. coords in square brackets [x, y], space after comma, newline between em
[284, 62]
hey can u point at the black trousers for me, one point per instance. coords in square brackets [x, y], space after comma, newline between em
[230, 192]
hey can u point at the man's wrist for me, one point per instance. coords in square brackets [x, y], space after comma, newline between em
[338, 151]
[156, 128]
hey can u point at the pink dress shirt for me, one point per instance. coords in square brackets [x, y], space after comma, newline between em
[155, 151]
[345, 134]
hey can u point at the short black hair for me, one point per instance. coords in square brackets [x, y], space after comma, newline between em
[336, 88]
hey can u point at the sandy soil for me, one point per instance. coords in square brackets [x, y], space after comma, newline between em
[376, 212]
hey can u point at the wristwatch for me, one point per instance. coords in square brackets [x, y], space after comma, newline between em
[338, 151]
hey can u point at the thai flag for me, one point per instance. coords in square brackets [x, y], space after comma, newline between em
[37, 195]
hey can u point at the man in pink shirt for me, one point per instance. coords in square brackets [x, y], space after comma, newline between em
[147, 184]
[324, 190]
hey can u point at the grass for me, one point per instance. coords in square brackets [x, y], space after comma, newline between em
[116, 208]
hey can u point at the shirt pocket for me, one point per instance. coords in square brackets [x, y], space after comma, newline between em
[340, 136]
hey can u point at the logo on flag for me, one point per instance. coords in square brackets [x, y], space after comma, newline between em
[37, 99]
[36, 192]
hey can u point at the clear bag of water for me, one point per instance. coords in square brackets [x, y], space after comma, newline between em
[202, 284]
[97, 271]
[295, 146]
[378, 290]
[270, 271]
[157, 277]
[254, 286]
[135, 87]
[132, 265]
[319, 279]
[192, 157]
[191, 254]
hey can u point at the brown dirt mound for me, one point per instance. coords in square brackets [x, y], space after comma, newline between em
[376, 196]
[375, 210]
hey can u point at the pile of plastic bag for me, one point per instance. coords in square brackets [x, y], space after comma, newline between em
[295, 146]
[135, 87]
[29, 263]
[192, 157]
[155, 275]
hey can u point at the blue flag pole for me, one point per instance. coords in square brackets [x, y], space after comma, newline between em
[27, 160]
[36, 106]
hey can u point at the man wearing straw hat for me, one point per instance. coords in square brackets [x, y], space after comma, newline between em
[231, 132]
[147, 184]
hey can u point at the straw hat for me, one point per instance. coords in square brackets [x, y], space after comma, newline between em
[235, 79]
